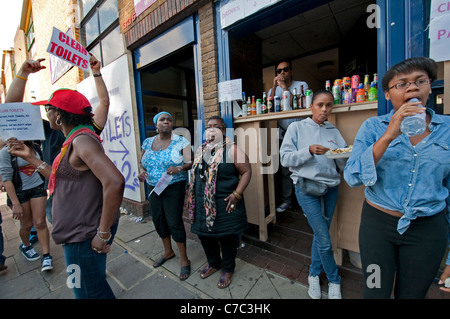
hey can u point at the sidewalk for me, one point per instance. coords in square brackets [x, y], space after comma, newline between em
[131, 274]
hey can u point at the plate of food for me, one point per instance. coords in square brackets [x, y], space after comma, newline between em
[339, 152]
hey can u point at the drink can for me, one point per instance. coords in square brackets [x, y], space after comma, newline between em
[269, 104]
[286, 101]
[258, 106]
[355, 81]
[308, 99]
[277, 103]
[336, 93]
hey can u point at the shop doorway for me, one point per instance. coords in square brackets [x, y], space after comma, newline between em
[169, 85]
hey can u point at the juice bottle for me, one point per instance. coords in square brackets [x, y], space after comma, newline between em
[249, 107]
[253, 105]
[373, 92]
[360, 94]
[366, 86]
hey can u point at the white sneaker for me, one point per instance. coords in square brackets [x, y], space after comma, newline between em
[314, 287]
[334, 291]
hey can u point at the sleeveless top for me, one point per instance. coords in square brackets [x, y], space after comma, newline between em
[225, 223]
[77, 202]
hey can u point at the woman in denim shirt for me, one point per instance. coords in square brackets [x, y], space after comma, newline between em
[404, 223]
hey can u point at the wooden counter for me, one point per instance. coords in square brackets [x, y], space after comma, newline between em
[257, 135]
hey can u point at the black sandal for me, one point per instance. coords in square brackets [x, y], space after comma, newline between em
[185, 270]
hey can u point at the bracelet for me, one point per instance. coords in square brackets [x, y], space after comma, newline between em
[97, 75]
[181, 168]
[103, 232]
[237, 195]
[40, 167]
[21, 77]
[103, 240]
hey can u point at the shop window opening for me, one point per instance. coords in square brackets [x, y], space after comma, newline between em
[169, 85]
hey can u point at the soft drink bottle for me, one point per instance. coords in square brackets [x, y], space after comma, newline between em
[414, 124]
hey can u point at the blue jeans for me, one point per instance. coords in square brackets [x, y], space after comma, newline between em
[92, 282]
[2, 247]
[319, 212]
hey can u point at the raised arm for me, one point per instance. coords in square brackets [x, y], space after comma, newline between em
[101, 112]
[17, 87]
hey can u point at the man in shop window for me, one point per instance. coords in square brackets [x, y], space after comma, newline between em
[282, 82]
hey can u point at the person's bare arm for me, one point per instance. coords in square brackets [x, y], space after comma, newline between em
[17, 88]
[101, 112]
[89, 154]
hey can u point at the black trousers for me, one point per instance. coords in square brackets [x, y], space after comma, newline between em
[167, 211]
[212, 247]
[411, 259]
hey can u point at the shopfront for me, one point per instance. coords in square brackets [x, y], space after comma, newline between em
[324, 40]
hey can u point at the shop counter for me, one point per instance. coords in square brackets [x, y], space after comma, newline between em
[257, 136]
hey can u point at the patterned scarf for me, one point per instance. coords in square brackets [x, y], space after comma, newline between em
[74, 133]
[215, 154]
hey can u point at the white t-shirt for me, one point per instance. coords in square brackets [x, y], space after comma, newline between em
[279, 92]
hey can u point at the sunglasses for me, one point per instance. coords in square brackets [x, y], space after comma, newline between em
[48, 108]
[285, 69]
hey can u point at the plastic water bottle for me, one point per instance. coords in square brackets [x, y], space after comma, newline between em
[414, 124]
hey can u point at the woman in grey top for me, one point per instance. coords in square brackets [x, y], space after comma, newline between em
[303, 150]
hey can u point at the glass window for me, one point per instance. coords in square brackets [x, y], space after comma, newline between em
[30, 35]
[90, 31]
[85, 7]
[112, 46]
[108, 13]
[100, 29]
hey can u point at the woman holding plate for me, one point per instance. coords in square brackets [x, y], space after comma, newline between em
[316, 178]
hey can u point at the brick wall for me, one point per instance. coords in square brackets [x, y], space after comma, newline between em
[209, 60]
[47, 14]
[164, 14]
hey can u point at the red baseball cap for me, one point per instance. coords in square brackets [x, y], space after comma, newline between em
[68, 100]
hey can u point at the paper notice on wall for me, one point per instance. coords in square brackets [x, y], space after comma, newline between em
[439, 30]
[163, 182]
[22, 121]
[230, 90]
[68, 49]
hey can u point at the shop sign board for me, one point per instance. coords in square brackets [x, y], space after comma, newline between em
[141, 5]
[439, 30]
[235, 10]
[118, 136]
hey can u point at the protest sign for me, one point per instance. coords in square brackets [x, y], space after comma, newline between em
[68, 49]
[439, 30]
[22, 121]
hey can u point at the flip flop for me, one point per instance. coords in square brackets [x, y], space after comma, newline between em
[185, 270]
[207, 271]
[221, 284]
[161, 261]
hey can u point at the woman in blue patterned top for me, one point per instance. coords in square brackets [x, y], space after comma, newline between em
[167, 153]
[403, 232]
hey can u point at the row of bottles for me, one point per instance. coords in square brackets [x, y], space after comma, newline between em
[348, 90]
[255, 106]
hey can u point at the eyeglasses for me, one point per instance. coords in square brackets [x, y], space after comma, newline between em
[405, 85]
[285, 69]
[214, 128]
[48, 108]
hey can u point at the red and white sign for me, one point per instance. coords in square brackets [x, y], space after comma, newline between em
[68, 49]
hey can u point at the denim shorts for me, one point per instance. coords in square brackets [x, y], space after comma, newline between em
[26, 195]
